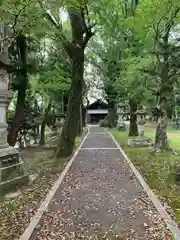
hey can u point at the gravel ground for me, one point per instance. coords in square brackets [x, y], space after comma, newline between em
[96, 129]
[99, 141]
[100, 198]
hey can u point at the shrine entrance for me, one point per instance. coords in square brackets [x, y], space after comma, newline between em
[97, 111]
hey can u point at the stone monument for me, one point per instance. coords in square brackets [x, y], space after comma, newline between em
[60, 118]
[141, 122]
[141, 140]
[120, 113]
[12, 171]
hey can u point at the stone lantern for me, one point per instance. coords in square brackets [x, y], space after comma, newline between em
[120, 113]
[141, 122]
[12, 172]
[60, 118]
[141, 140]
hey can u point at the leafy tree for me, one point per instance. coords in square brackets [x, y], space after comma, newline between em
[52, 82]
[20, 19]
[74, 47]
[163, 68]
[117, 41]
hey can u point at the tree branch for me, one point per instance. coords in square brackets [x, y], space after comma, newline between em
[150, 72]
[67, 45]
[58, 26]
[88, 29]
[18, 14]
[88, 36]
[148, 88]
[169, 25]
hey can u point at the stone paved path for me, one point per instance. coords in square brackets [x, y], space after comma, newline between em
[100, 198]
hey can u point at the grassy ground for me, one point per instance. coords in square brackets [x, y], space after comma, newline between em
[15, 214]
[157, 169]
[173, 135]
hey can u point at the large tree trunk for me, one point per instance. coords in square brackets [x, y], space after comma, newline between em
[166, 92]
[81, 122]
[112, 116]
[81, 33]
[161, 140]
[17, 119]
[70, 127]
[42, 133]
[23, 78]
[43, 125]
[133, 128]
[83, 116]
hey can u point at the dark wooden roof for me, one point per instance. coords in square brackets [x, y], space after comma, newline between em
[99, 104]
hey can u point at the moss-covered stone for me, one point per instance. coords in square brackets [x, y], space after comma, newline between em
[13, 184]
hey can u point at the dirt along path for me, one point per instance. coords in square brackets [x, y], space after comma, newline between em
[100, 198]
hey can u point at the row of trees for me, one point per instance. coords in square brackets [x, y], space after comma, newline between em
[138, 57]
[134, 51]
[47, 57]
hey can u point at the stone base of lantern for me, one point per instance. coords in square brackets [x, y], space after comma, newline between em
[54, 131]
[140, 142]
[12, 171]
[121, 128]
[59, 128]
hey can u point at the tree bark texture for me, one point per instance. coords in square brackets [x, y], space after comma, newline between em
[112, 116]
[133, 128]
[81, 33]
[23, 78]
[165, 93]
[43, 125]
[70, 127]
[83, 112]
[161, 140]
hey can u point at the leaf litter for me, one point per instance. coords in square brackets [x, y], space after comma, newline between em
[16, 213]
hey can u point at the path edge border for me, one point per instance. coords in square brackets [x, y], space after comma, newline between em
[170, 223]
[44, 204]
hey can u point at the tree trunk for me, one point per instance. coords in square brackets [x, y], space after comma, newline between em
[81, 33]
[161, 140]
[42, 134]
[23, 78]
[70, 127]
[79, 120]
[166, 92]
[43, 125]
[112, 116]
[35, 135]
[83, 116]
[17, 119]
[133, 128]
